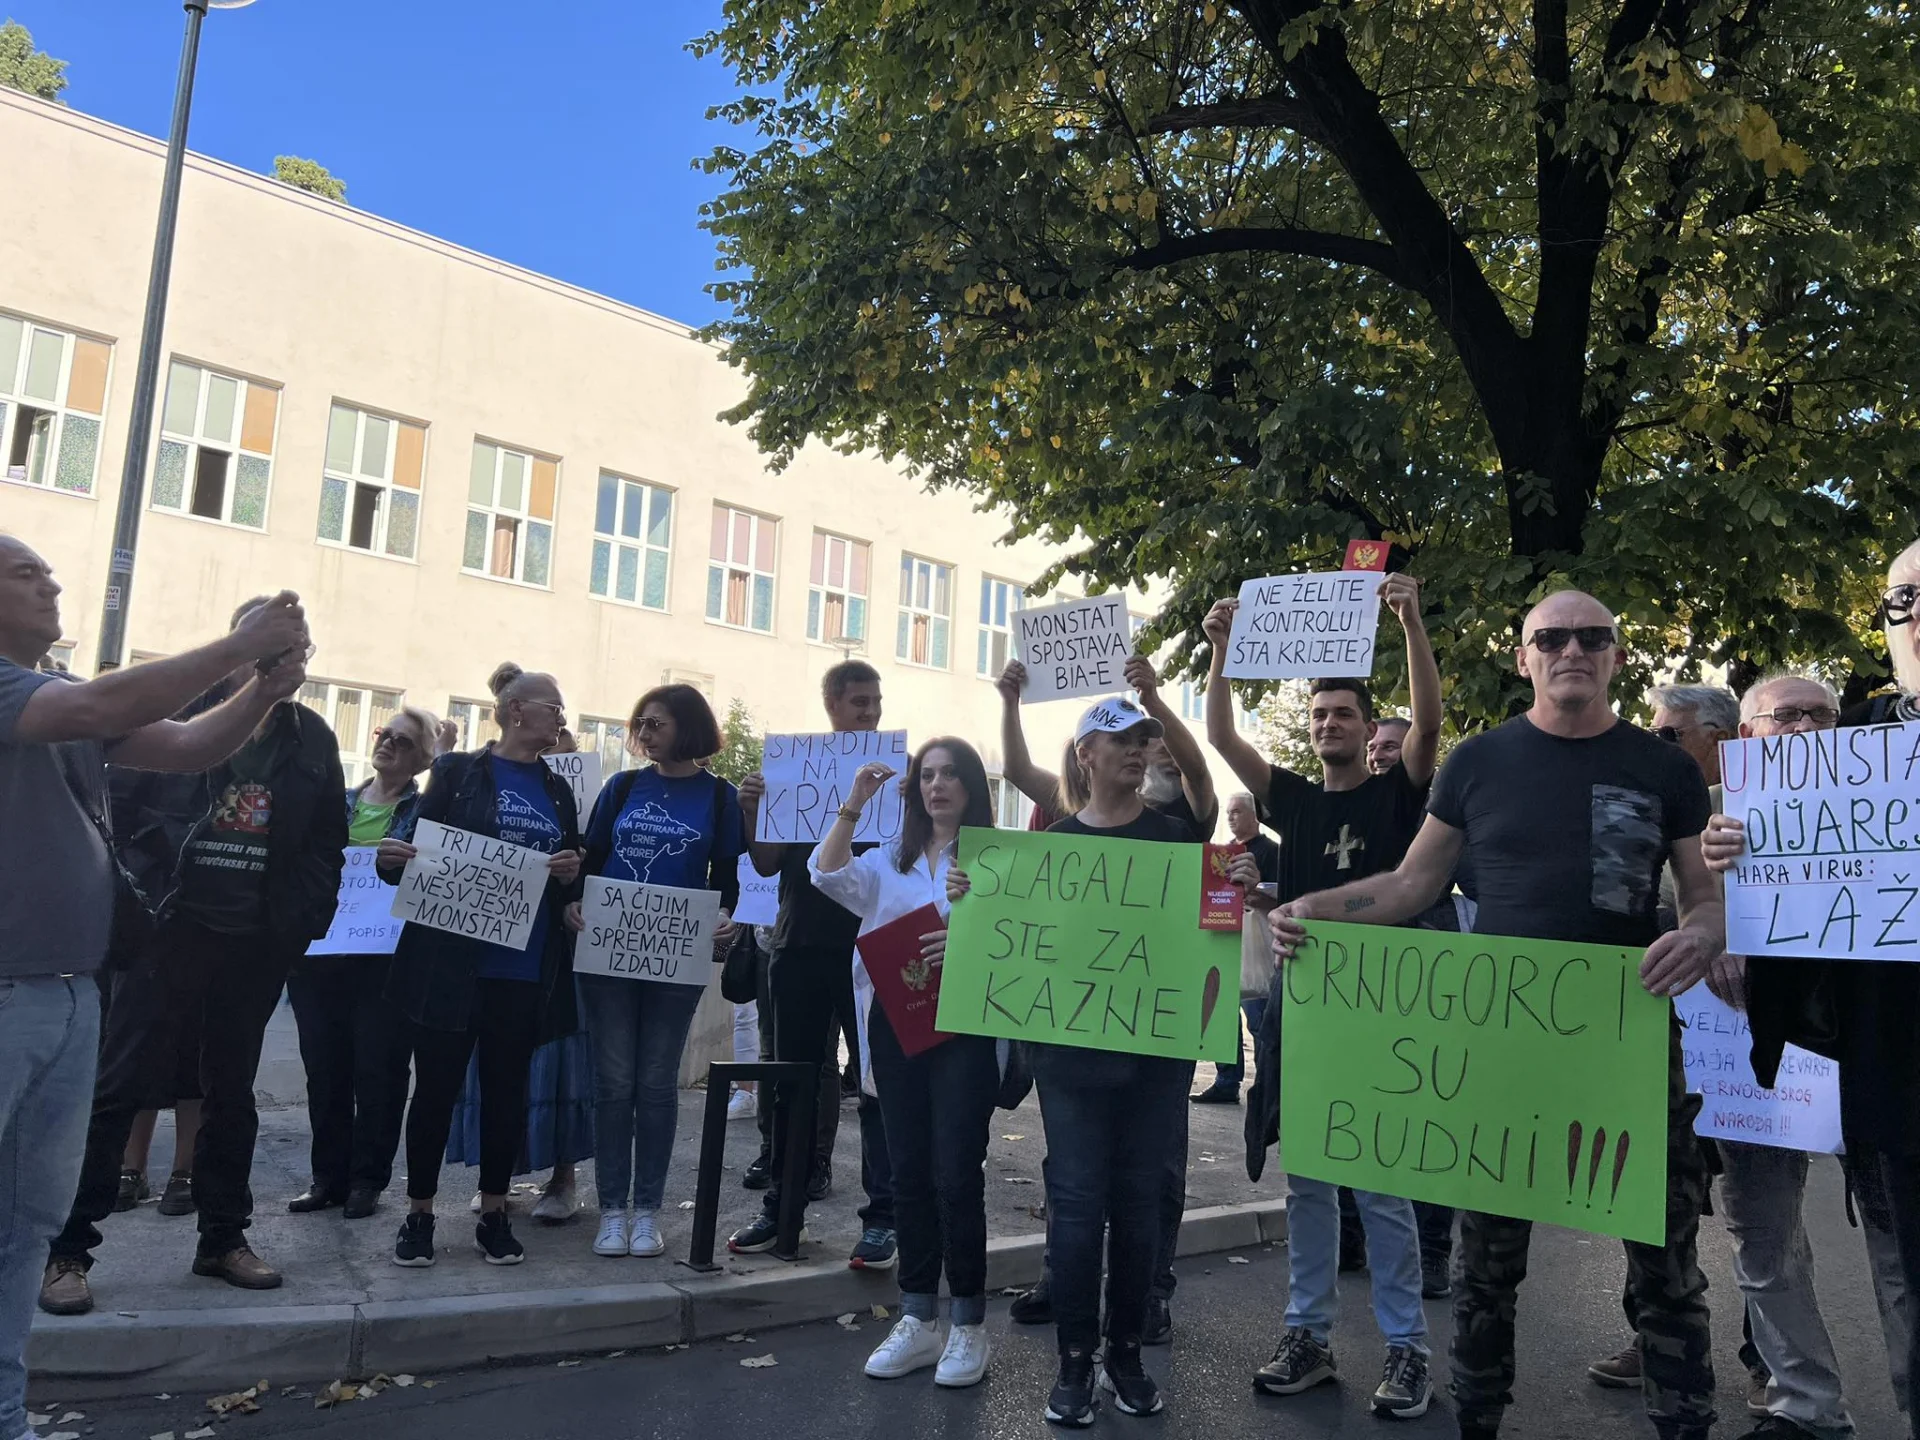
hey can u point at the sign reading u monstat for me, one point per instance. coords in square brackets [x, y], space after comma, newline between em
[1515, 1077]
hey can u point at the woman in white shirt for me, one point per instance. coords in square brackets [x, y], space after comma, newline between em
[938, 1104]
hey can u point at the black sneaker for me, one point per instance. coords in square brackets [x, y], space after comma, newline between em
[133, 1189]
[1406, 1387]
[414, 1247]
[493, 1238]
[760, 1173]
[1216, 1095]
[1159, 1327]
[1299, 1362]
[1035, 1307]
[759, 1235]
[820, 1183]
[1072, 1402]
[1123, 1377]
[877, 1250]
[1434, 1282]
[1778, 1427]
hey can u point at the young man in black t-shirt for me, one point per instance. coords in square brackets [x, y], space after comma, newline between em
[1349, 823]
[1567, 814]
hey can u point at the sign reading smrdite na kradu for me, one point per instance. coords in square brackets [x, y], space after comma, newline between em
[363, 924]
[581, 771]
[809, 778]
[472, 885]
[1832, 866]
[1082, 940]
[647, 932]
[1293, 627]
[1076, 648]
[1513, 1077]
[1801, 1112]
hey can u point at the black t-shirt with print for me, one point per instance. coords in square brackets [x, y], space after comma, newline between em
[1266, 854]
[1567, 837]
[223, 871]
[1333, 837]
[1181, 809]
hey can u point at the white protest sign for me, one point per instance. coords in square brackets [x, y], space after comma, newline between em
[363, 924]
[1076, 648]
[472, 885]
[810, 776]
[581, 771]
[1833, 826]
[647, 932]
[1802, 1111]
[759, 896]
[1300, 627]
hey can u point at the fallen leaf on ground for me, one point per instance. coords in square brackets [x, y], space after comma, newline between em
[1013, 1137]
[71, 1416]
[686, 1204]
[759, 1362]
[428, 1384]
[566, 1364]
[163, 1397]
[64, 1435]
[1238, 1260]
[403, 1381]
[38, 1420]
[738, 1339]
[1016, 1180]
[879, 1312]
[205, 1432]
[615, 1354]
[163, 1435]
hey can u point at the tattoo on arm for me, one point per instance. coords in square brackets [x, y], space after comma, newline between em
[1358, 902]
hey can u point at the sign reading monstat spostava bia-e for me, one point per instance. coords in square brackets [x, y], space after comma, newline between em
[1514, 1077]
[1077, 648]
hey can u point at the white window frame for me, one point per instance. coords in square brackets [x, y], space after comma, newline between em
[991, 630]
[43, 454]
[723, 571]
[523, 517]
[939, 625]
[820, 596]
[468, 716]
[616, 542]
[595, 734]
[356, 749]
[233, 448]
[354, 477]
[1011, 809]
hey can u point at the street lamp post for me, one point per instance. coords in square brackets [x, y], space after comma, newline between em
[146, 382]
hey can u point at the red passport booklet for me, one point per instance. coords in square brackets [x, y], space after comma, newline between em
[906, 985]
[1221, 901]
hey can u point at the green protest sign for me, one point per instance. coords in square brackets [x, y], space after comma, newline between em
[1516, 1077]
[1077, 940]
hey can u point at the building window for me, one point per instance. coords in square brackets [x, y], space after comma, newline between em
[53, 391]
[608, 740]
[1193, 701]
[1000, 601]
[370, 489]
[216, 446]
[837, 591]
[741, 570]
[357, 715]
[699, 680]
[926, 612]
[1011, 809]
[470, 718]
[510, 498]
[633, 535]
[60, 654]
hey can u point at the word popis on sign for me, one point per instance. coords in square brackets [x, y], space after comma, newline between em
[1295, 627]
[1832, 869]
[1077, 648]
[810, 776]
[472, 885]
[363, 924]
[1082, 940]
[647, 932]
[1801, 1112]
[581, 771]
[1515, 1077]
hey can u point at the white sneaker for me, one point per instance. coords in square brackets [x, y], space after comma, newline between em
[555, 1207]
[912, 1345]
[612, 1239]
[964, 1361]
[645, 1240]
[743, 1106]
[474, 1204]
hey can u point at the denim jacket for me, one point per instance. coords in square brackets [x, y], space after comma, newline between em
[403, 808]
[434, 972]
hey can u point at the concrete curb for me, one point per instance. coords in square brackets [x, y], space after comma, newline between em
[145, 1351]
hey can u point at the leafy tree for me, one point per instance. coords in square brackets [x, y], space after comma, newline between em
[740, 745]
[1606, 294]
[24, 68]
[309, 175]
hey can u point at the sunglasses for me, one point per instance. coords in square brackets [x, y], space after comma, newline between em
[650, 724]
[1552, 639]
[397, 739]
[1821, 715]
[1672, 733]
[1896, 605]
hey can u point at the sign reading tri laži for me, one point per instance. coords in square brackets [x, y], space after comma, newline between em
[1080, 647]
[1292, 627]
[1083, 940]
[1832, 869]
[472, 885]
[809, 778]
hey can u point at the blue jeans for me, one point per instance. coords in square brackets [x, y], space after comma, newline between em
[1231, 1077]
[49, 1039]
[638, 1028]
[1313, 1253]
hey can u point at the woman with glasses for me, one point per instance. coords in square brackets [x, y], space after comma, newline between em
[671, 823]
[464, 996]
[352, 1043]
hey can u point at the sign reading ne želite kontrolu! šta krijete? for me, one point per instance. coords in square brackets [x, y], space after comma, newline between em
[472, 885]
[810, 776]
[1299, 627]
[1074, 649]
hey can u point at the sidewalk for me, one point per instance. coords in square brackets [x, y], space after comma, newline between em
[346, 1310]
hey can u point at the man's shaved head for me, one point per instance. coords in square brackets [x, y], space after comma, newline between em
[1570, 608]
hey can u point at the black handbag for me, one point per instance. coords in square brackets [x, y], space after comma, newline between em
[740, 972]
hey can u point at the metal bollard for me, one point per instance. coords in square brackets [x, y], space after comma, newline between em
[804, 1076]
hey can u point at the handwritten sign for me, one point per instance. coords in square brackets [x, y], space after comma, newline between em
[1802, 1112]
[581, 771]
[647, 932]
[759, 896]
[1082, 940]
[1298, 627]
[363, 924]
[1833, 830]
[472, 885]
[1516, 1077]
[810, 776]
[1076, 648]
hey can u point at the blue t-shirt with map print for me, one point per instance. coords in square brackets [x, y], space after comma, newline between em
[662, 835]
[526, 817]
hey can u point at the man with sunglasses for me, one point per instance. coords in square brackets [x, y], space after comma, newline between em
[1567, 814]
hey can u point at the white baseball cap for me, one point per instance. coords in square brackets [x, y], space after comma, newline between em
[1116, 717]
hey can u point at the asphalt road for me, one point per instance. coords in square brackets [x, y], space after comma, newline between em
[1227, 1319]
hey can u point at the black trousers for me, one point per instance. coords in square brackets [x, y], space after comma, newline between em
[188, 976]
[355, 1047]
[1886, 1187]
[505, 1030]
[826, 1118]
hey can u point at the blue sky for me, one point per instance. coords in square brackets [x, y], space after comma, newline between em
[557, 134]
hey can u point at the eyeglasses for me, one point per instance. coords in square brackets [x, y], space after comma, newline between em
[1896, 605]
[395, 738]
[1821, 715]
[1672, 733]
[559, 711]
[650, 724]
[1552, 639]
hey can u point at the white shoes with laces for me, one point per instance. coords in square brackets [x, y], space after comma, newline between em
[911, 1345]
[644, 1239]
[612, 1239]
[964, 1361]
